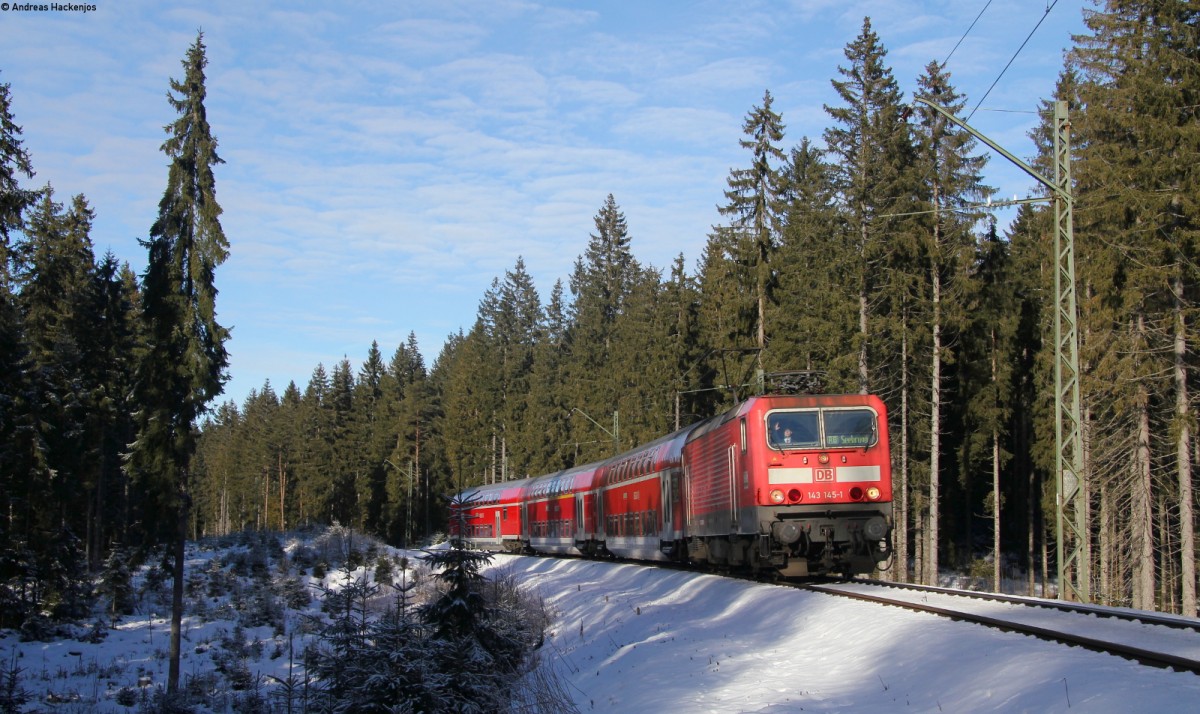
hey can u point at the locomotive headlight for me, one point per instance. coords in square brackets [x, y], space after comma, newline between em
[776, 496]
[873, 493]
[823, 458]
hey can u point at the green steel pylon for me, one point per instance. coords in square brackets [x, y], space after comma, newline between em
[1071, 522]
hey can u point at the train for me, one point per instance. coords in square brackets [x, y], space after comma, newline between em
[780, 485]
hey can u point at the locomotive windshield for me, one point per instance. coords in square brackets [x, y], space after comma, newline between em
[821, 428]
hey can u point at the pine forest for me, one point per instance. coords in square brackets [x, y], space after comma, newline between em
[865, 254]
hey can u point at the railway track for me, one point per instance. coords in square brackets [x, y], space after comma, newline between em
[1149, 638]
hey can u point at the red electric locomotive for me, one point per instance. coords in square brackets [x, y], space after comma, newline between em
[794, 484]
[801, 484]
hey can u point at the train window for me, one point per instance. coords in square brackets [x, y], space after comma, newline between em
[849, 427]
[794, 429]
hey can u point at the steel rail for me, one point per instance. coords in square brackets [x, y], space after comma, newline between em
[1143, 656]
[1149, 618]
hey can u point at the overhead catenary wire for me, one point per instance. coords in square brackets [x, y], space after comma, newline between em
[960, 40]
[1046, 14]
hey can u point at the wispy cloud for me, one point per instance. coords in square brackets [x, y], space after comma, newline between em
[384, 163]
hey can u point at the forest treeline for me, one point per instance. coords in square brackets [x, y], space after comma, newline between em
[863, 254]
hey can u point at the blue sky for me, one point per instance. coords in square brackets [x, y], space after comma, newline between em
[386, 161]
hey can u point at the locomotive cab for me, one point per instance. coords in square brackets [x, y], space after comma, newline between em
[827, 497]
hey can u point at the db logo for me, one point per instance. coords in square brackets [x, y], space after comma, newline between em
[823, 475]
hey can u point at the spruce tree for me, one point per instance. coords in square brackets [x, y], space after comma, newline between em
[56, 266]
[546, 396]
[726, 312]
[945, 245]
[415, 413]
[377, 438]
[14, 200]
[290, 448]
[22, 453]
[643, 360]
[258, 448]
[348, 466]
[870, 149]
[814, 307]
[691, 379]
[987, 361]
[755, 204]
[217, 497]
[183, 366]
[315, 459]
[109, 338]
[1138, 193]
[469, 383]
[870, 153]
[514, 333]
[601, 284]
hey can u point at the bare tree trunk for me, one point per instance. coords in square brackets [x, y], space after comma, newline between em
[96, 518]
[996, 510]
[1187, 533]
[1046, 569]
[185, 502]
[761, 273]
[918, 540]
[265, 521]
[900, 528]
[282, 492]
[864, 382]
[1086, 480]
[995, 483]
[1142, 525]
[1166, 566]
[224, 518]
[1108, 531]
[935, 436]
[1032, 508]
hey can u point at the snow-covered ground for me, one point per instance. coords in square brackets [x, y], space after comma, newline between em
[625, 639]
[630, 639]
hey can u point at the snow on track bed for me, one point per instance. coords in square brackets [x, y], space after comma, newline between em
[1150, 638]
[629, 638]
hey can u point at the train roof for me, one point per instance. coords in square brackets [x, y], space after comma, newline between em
[494, 492]
[576, 478]
[653, 455]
